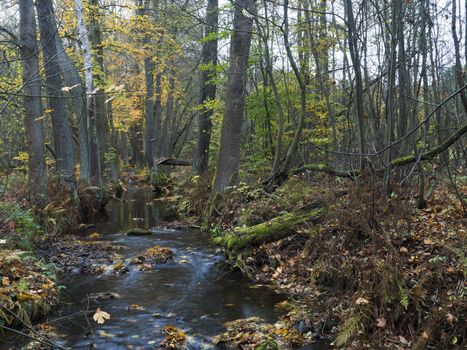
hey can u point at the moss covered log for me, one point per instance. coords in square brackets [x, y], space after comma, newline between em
[275, 229]
[138, 232]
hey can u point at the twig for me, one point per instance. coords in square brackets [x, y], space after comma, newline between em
[55, 346]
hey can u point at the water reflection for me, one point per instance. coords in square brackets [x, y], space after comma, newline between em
[198, 295]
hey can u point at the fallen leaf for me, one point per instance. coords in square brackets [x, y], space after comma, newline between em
[100, 316]
[94, 235]
[136, 307]
[428, 241]
[361, 301]
[403, 340]
[381, 322]
[69, 88]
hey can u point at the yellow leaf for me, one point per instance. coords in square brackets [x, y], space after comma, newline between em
[100, 316]
[428, 241]
[94, 235]
[5, 281]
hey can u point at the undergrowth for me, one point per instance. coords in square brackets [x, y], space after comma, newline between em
[376, 273]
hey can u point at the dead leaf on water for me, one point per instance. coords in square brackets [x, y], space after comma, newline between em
[101, 316]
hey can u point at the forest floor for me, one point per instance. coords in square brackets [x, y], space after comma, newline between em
[368, 273]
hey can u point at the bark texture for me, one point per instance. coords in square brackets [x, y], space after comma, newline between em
[32, 103]
[208, 88]
[229, 152]
[62, 134]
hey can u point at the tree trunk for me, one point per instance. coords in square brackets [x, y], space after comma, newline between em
[208, 88]
[158, 115]
[94, 142]
[135, 136]
[270, 231]
[229, 152]
[169, 110]
[458, 64]
[32, 103]
[355, 57]
[278, 177]
[73, 80]
[264, 35]
[99, 110]
[149, 113]
[62, 134]
[149, 110]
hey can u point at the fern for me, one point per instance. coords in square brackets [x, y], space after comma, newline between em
[404, 294]
[22, 315]
[350, 329]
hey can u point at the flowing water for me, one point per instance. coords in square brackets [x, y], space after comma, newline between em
[196, 292]
[197, 295]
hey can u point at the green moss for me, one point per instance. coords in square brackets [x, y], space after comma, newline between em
[402, 160]
[272, 230]
[267, 345]
[138, 232]
[294, 193]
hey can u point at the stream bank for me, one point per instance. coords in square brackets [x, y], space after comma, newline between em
[367, 272]
[193, 291]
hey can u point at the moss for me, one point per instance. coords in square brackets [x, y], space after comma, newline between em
[402, 160]
[272, 230]
[138, 232]
[295, 193]
[267, 345]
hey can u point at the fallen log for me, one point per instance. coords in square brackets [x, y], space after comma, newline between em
[270, 231]
[398, 162]
[324, 168]
[173, 161]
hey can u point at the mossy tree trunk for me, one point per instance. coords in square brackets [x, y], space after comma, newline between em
[242, 238]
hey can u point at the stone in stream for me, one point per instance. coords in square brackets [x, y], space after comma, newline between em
[154, 255]
[138, 232]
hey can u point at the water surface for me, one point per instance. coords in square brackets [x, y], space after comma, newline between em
[196, 292]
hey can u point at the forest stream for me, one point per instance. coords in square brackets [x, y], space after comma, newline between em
[196, 292]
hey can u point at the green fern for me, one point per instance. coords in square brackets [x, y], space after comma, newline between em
[404, 294]
[350, 329]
